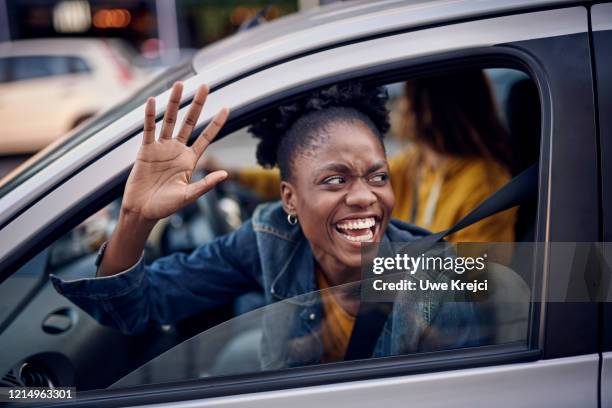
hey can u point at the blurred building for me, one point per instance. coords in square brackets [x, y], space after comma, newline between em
[152, 27]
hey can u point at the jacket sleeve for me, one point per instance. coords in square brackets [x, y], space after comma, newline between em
[265, 182]
[171, 288]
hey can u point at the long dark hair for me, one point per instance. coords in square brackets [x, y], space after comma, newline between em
[455, 115]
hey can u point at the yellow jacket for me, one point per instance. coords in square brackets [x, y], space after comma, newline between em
[461, 184]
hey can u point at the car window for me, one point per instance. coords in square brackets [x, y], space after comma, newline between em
[78, 65]
[157, 85]
[256, 329]
[20, 286]
[32, 67]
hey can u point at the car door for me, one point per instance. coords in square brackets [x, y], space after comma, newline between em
[601, 15]
[553, 369]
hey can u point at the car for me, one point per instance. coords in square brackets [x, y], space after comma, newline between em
[547, 349]
[61, 82]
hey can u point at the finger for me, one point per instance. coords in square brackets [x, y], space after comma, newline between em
[195, 190]
[148, 134]
[194, 113]
[172, 111]
[208, 135]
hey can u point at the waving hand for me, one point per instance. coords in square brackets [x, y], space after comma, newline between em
[160, 182]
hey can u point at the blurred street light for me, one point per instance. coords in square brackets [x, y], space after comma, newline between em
[112, 18]
[72, 16]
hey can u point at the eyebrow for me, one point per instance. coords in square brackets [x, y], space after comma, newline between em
[376, 166]
[343, 168]
[337, 167]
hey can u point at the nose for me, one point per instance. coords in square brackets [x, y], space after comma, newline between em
[360, 195]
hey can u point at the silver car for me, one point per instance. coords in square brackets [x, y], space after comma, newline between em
[56, 211]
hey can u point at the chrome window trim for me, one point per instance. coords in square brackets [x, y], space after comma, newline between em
[606, 379]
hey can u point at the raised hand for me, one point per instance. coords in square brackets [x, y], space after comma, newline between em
[160, 181]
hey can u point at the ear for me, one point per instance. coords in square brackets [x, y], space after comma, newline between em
[288, 197]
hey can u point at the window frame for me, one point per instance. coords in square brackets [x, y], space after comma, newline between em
[601, 37]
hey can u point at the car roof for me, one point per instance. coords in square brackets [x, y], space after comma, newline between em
[322, 27]
[51, 46]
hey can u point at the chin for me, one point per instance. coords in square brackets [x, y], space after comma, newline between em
[348, 251]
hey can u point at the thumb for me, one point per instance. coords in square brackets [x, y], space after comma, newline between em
[195, 190]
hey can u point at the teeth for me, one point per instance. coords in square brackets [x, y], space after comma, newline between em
[360, 238]
[358, 224]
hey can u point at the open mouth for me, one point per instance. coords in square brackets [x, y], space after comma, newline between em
[358, 230]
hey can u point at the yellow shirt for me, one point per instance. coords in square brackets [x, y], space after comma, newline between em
[336, 325]
[462, 184]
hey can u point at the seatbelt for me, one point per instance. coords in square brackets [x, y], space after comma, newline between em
[372, 316]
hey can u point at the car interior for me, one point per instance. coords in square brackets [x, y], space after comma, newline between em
[65, 345]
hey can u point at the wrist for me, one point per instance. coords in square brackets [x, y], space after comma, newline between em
[126, 244]
[134, 221]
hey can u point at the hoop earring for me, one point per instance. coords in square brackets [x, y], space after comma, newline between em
[292, 219]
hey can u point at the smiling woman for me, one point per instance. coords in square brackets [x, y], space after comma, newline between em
[335, 195]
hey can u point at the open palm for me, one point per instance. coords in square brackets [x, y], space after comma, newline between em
[160, 181]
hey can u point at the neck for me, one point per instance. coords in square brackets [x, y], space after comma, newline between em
[344, 295]
[335, 272]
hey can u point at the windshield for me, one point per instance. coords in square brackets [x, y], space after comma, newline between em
[38, 162]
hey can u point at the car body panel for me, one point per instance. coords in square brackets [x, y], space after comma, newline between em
[342, 22]
[511, 385]
[601, 18]
[606, 379]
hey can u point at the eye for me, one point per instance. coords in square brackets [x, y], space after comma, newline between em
[379, 178]
[334, 180]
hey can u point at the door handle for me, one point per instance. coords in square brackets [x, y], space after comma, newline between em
[59, 321]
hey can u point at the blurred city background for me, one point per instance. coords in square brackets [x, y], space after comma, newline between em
[64, 61]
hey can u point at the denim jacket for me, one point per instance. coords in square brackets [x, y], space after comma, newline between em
[265, 254]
